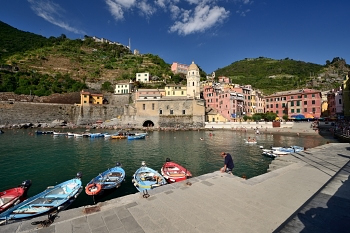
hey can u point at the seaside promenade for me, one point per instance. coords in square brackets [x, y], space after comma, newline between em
[307, 191]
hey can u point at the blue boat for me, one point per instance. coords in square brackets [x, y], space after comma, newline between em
[146, 178]
[54, 198]
[137, 136]
[109, 179]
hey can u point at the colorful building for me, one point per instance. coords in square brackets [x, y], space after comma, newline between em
[88, 97]
[124, 88]
[304, 101]
[175, 90]
[178, 68]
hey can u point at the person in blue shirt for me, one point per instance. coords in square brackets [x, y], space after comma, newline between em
[228, 163]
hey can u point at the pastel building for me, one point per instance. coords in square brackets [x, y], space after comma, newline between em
[304, 101]
[335, 103]
[175, 90]
[124, 88]
[88, 97]
[177, 68]
[142, 77]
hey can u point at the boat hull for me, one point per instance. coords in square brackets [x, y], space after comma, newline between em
[146, 178]
[109, 179]
[13, 196]
[174, 172]
[53, 198]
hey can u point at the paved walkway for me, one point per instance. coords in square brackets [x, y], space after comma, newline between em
[218, 202]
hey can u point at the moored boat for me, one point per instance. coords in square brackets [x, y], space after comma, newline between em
[59, 133]
[136, 136]
[13, 196]
[56, 197]
[174, 172]
[109, 179]
[146, 178]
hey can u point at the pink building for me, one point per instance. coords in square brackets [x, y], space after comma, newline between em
[305, 101]
[228, 102]
[177, 68]
[335, 103]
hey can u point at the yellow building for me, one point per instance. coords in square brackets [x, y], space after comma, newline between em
[87, 98]
[175, 90]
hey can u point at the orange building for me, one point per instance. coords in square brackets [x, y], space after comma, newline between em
[87, 98]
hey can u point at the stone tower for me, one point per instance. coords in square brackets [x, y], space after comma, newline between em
[193, 78]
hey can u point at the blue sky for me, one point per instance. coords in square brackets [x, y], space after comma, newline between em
[212, 33]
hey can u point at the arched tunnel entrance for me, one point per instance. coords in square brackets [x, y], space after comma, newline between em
[148, 123]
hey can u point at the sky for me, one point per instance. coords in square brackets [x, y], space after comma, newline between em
[211, 33]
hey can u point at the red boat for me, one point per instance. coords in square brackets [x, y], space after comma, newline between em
[174, 172]
[13, 196]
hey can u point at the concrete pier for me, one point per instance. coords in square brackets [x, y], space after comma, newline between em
[316, 180]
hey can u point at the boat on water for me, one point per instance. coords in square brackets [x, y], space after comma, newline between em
[137, 136]
[43, 132]
[56, 197]
[250, 142]
[59, 133]
[95, 135]
[174, 172]
[119, 135]
[146, 178]
[109, 179]
[13, 196]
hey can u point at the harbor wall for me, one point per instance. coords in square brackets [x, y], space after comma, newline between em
[25, 112]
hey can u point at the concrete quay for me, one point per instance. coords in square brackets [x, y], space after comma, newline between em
[302, 192]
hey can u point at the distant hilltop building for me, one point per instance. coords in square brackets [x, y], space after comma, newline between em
[177, 68]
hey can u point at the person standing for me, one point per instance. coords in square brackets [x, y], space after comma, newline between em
[228, 163]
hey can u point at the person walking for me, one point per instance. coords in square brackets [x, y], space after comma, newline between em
[228, 163]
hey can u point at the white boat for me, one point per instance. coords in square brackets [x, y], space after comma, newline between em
[59, 134]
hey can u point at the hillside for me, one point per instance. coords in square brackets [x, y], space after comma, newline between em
[32, 64]
[271, 75]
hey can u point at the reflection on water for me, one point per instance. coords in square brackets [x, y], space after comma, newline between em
[47, 159]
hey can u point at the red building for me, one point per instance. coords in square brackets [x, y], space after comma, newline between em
[304, 101]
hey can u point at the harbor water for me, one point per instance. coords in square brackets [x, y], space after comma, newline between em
[48, 160]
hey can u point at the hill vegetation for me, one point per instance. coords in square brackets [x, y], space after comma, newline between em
[271, 75]
[42, 66]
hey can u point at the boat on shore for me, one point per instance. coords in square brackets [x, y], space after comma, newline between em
[56, 197]
[146, 178]
[174, 172]
[43, 132]
[109, 179]
[274, 152]
[14, 196]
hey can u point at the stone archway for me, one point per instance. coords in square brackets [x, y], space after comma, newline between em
[148, 123]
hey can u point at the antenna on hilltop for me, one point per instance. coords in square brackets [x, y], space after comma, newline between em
[129, 44]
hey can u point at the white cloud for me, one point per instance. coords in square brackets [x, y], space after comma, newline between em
[189, 16]
[51, 12]
[202, 18]
[146, 9]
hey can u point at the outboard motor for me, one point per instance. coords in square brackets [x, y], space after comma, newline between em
[143, 164]
[79, 175]
[26, 184]
[118, 164]
[167, 160]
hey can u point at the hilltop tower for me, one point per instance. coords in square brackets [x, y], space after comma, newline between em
[193, 78]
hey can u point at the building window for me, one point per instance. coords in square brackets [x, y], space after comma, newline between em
[292, 111]
[276, 105]
[313, 110]
[298, 103]
[171, 112]
[305, 96]
[313, 95]
[152, 106]
[144, 106]
[183, 112]
[298, 110]
[305, 109]
[160, 111]
[305, 102]
[84, 101]
[313, 102]
[292, 103]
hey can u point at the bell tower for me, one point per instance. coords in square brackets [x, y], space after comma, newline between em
[193, 79]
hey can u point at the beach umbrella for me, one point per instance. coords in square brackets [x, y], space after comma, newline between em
[298, 116]
[309, 116]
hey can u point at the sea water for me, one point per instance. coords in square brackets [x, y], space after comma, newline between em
[48, 160]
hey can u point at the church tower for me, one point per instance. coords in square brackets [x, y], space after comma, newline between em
[193, 78]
